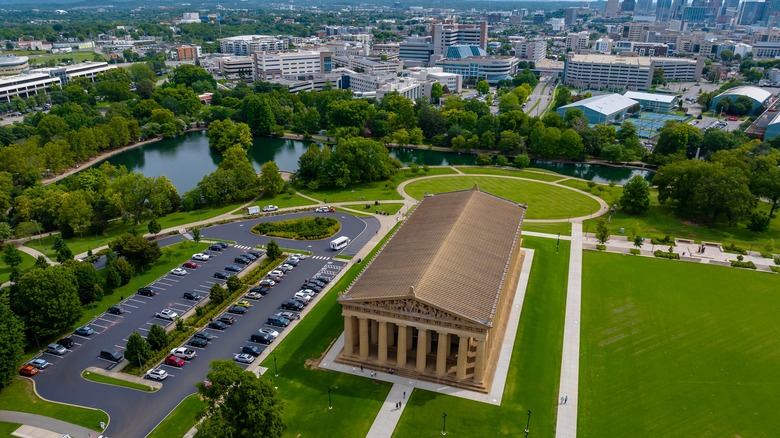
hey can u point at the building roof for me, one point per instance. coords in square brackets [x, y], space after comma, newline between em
[755, 93]
[606, 104]
[452, 253]
[460, 52]
[12, 61]
[653, 97]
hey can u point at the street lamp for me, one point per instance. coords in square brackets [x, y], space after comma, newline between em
[330, 404]
[444, 423]
[528, 423]
[276, 371]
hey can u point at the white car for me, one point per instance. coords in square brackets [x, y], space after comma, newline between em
[167, 314]
[184, 353]
[157, 374]
[179, 271]
[270, 208]
[286, 268]
[200, 257]
[269, 331]
[276, 273]
[323, 209]
[244, 358]
[303, 296]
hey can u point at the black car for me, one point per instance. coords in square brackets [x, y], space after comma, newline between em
[217, 325]
[313, 287]
[257, 254]
[292, 305]
[254, 350]
[222, 245]
[192, 296]
[147, 292]
[116, 310]
[66, 342]
[250, 256]
[221, 275]
[242, 260]
[215, 247]
[262, 290]
[238, 310]
[227, 319]
[323, 279]
[233, 268]
[262, 338]
[198, 342]
[204, 335]
[317, 282]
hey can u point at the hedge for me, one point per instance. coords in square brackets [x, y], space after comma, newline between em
[634, 251]
[601, 247]
[305, 228]
[666, 255]
[739, 264]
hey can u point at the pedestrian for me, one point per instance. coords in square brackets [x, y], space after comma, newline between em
[566, 399]
[399, 405]
[561, 402]
[353, 369]
[361, 368]
[404, 395]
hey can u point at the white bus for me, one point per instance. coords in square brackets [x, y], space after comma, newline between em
[339, 243]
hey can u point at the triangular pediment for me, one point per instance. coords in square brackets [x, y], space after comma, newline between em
[412, 308]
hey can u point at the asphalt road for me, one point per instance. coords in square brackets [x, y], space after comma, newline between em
[135, 413]
[542, 96]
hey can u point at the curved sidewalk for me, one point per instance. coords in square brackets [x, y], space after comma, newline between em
[54, 425]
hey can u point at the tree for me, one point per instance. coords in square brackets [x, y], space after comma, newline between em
[11, 342]
[217, 293]
[196, 234]
[224, 134]
[658, 76]
[11, 255]
[271, 182]
[436, 92]
[88, 282]
[47, 300]
[272, 250]
[521, 161]
[636, 195]
[154, 227]
[62, 249]
[638, 241]
[157, 337]
[239, 404]
[483, 87]
[602, 232]
[137, 350]
[138, 251]
[233, 284]
[258, 115]
[5, 232]
[484, 160]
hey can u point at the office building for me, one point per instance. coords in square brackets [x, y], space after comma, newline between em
[188, 52]
[415, 51]
[446, 35]
[627, 6]
[766, 50]
[246, 45]
[612, 8]
[40, 80]
[603, 45]
[630, 73]
[642, 49]
[750, 12]
[10, 64]
[240, 66]
[490, 68]
[570, 18]
[452, 81]
[663, 10]
[531, 50]
[275, 65]
[190, 17]
[366, 65]
[577, 41]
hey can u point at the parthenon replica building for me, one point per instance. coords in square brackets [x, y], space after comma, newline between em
[433, 303]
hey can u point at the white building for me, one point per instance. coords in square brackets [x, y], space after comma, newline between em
[26, 85]
[453, 81]
[576, 41]
[276, 65]
[742, 49]
[236, 66]
[246, 45]
[367, 65]
[490, 68]
[557, 24]
[629, 72]
[190, 17]
[531, 50]
[446, 35]
[603, 45]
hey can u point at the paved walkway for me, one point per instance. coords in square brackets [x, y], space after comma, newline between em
[388, 417]
[54, 425]
[566, 426]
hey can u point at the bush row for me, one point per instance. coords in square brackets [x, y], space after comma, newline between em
[741, 264]
[305, 228]
[666, 255]
[601, 247]
[666, 240]
[634, 251]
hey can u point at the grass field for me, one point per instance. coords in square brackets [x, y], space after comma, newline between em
[389, 207]
[5, 270]
[677, 349]
[548, 227]
[510, 172]
[534, 372]
[99, 378]
[6, 429]
[19, 396]
[180, 420]
[75, 56]
[545, 201]
[283, 200]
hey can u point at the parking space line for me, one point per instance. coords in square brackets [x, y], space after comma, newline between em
[119, 347]
[106, 360]
[137, 301]
[79, 336]
[129, 305]
[144, 329]
[107, 320]
[97, 325]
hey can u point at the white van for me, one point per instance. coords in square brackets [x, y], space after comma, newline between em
[339, 243]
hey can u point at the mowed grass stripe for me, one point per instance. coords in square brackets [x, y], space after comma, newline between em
[678, 349]
[545, 201]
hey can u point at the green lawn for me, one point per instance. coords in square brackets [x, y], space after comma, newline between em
[5, 270]
[76, 56]
[548, 227]
[545, 201]
[677, 349]
[180, 420]
[510, 172]
[19, 396]
[6, 429]
[534, 372]
[282, 201]
[374, 191]
[99, 378]
[389, 207]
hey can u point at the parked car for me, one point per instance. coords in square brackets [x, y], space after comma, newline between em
[184, 353]
[242, 303]
[217, 325]
[157, 374]
[269, 331]
[66, 342]
[28, 370]
[289, 315]
[303, 297]
[189, 265]
[276, 273]
[147, 292]
[241, 260]
[227, 319]
[292, 262]
[201, 257]
[324, 209]
[192, 296]
[238, 310]
[221, 275]
[267, 282]
[198, 342]
[179, 271]
[313, 287]
[262, 290]
[317, 282]
[253, 295]
[57, 349]
[84, 330]
[286, 268]
[278, 321]
[215, 247]
[323, 278]
[39, 363]
[261, 338]
[270, 208]
[250, 256]
[203, 335]
[233, 268]
[112, 355]
[174, 361]
[242, 358]
[222, 245]
[254, 350]
[257, 254]
[116, 310]
[294, 305]
[167, 314]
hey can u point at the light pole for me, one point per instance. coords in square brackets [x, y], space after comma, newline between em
[330, 404]
[276, 371]
[528, 423]
[444, 423]
[557, 243]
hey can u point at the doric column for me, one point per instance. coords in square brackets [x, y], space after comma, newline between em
[441, 354]
[382, 341]
[479, 365]
[349, 340]
[374, 331]
[401, 358]
[463, 355]
[422, 344]
[363, 338]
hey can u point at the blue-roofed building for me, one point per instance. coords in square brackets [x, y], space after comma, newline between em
[461, 52]
[472, 63]
[606, 108]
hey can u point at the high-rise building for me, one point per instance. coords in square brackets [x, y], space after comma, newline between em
[577, 41]
[533, 50]
[628, 6]
[612, 8]
[416, 51]
[245, 45]
[642, 6]
[446, 35]
[663, 10]
[275, 65]
[571, 16]
[750, 12]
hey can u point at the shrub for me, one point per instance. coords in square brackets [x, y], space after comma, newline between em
[734, 249]
[741, 264]
[306, 228]
[759, 222]
[666, 240]
[601, 247]
[777, 260]
[634, 251]
[775, 269]
[666, 255]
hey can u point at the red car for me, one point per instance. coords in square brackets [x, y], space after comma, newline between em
[28, 370]
[733, 118]
[190, 265]
[174, 361]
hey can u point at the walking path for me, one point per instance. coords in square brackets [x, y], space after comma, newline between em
[47, 423]
[388, 416]
[566, 426]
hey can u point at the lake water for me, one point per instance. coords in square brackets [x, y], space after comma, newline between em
[186, 159]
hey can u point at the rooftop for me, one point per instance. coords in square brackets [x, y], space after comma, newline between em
[653, 97]
[640, 61]
[450, 254]
[755, 93]
[604, 104]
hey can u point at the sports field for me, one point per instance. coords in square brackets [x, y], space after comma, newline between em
[545, 201]
[678, 349]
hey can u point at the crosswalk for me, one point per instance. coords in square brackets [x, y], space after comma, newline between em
[244, 247]
[319, 257]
